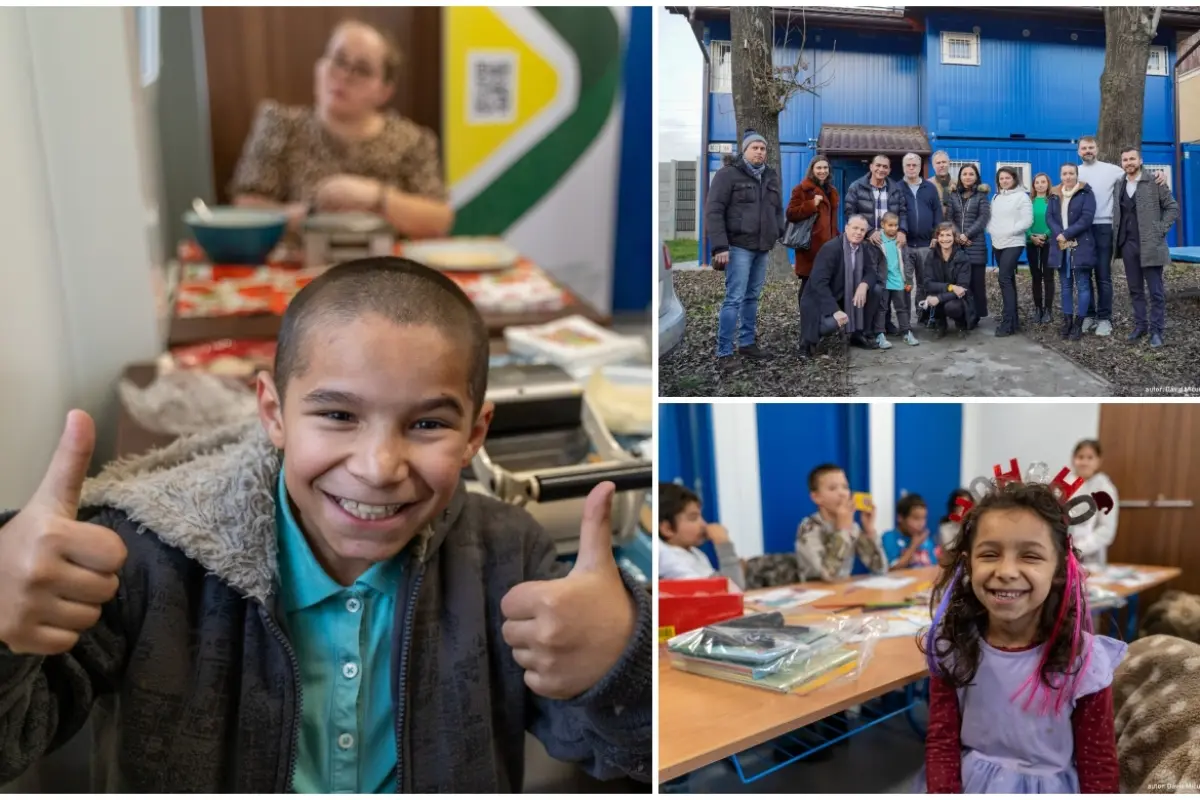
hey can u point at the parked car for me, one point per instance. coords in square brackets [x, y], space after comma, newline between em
[671, 319]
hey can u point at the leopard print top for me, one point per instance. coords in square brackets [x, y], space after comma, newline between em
[289, 153]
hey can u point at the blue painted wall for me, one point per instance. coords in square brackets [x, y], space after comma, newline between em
[1190, 186]
[932, 471]
[685, 450]
[635, 198]
[873, 78]
[1044, 86]
[792, 439]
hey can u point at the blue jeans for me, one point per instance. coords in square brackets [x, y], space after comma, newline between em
[1102, 297]
[1083, 284]
[745, 275]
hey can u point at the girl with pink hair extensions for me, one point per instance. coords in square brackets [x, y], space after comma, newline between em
[1020, 698]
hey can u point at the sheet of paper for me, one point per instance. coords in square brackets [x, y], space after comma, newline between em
[883, 582]
[787, 598]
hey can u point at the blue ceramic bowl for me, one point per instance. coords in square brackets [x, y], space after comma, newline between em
[237, 235]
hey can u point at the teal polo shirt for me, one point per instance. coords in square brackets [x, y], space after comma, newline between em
[342, 637]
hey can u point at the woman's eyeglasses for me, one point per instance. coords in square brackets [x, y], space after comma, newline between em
[357, 70]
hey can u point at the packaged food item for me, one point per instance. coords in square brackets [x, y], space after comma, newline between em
[573, 342]
[863, 501]
[764, 651]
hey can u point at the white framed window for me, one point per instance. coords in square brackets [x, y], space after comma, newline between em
[1157, 64]
[960, 48]
[955, 166]
[1164, 168]
[720, 68]
[1024, 173]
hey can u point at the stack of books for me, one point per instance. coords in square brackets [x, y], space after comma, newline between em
[763, 651]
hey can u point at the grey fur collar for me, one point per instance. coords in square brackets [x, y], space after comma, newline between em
[212, 496]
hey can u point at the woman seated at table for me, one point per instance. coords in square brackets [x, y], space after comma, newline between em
[347, 152]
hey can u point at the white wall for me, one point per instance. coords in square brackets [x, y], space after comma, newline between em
[79, 229]
[739, 490]
[882, 419]
[993, 433]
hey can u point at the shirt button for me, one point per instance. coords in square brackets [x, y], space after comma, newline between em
[345, 741]
[353, 605]
[350, 670]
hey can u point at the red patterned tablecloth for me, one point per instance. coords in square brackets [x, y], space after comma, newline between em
[207, 290]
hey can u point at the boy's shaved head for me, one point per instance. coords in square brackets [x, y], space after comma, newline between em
[397, 289]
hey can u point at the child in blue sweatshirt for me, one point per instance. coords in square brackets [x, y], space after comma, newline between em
[898, 281]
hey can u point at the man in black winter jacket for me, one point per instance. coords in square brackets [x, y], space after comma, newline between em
[744, 217]
[874, 195]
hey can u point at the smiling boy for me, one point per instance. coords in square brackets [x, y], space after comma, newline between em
[314, 602]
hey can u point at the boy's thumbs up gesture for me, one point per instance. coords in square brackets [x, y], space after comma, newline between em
[569, 633]
[55, 572]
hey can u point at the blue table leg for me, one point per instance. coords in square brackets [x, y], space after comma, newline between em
[1131, 620]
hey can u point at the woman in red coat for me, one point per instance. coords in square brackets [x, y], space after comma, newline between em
[814, 195]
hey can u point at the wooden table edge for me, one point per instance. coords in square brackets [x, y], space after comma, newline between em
[670, 772]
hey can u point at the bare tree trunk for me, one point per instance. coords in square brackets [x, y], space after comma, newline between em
[755, 104]
[1128, 31]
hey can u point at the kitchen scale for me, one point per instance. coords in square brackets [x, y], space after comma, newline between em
[337, 238]
[547, 448]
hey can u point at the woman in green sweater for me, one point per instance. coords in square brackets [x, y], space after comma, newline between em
[1037, 250]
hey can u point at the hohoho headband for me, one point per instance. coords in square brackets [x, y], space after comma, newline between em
[1091, 504]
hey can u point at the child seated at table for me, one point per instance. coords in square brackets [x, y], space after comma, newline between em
[681, 531]
[828, 540]
[312, 601]
[910, 544]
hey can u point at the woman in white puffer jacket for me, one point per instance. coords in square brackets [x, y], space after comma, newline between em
[1012, 216]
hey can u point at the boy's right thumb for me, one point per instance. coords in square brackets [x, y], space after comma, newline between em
[60, 489]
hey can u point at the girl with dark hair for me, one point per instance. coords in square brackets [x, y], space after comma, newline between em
[970, 211]
[1093, 536]
[948, 529]
[1037, 251]
[1020, 698]
[814, 196]
[1012, 214]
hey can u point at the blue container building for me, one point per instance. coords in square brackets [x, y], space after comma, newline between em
[989, 85]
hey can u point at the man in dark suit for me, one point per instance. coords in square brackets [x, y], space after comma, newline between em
[844, 290]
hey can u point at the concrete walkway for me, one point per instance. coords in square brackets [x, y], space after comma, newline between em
[979, 366]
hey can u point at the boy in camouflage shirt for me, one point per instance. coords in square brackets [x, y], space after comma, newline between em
[827, 541]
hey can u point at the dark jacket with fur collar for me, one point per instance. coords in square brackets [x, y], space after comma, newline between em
[200, 684]
[970, 213]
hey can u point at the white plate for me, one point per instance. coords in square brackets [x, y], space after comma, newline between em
[463, 255]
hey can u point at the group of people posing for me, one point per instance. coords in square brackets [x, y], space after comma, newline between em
[916, 247]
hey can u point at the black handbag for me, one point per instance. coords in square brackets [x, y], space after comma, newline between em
[798, 235]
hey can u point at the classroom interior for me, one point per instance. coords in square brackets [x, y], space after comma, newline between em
[749, 466]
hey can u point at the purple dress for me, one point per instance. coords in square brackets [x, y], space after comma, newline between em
[1008, 750]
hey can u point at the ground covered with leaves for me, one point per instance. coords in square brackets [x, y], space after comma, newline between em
[1134, 370]
[691, 369]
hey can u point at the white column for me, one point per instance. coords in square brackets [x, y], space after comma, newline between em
[972, 446]
[79, 227]
[739, 489]
[881, 416]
